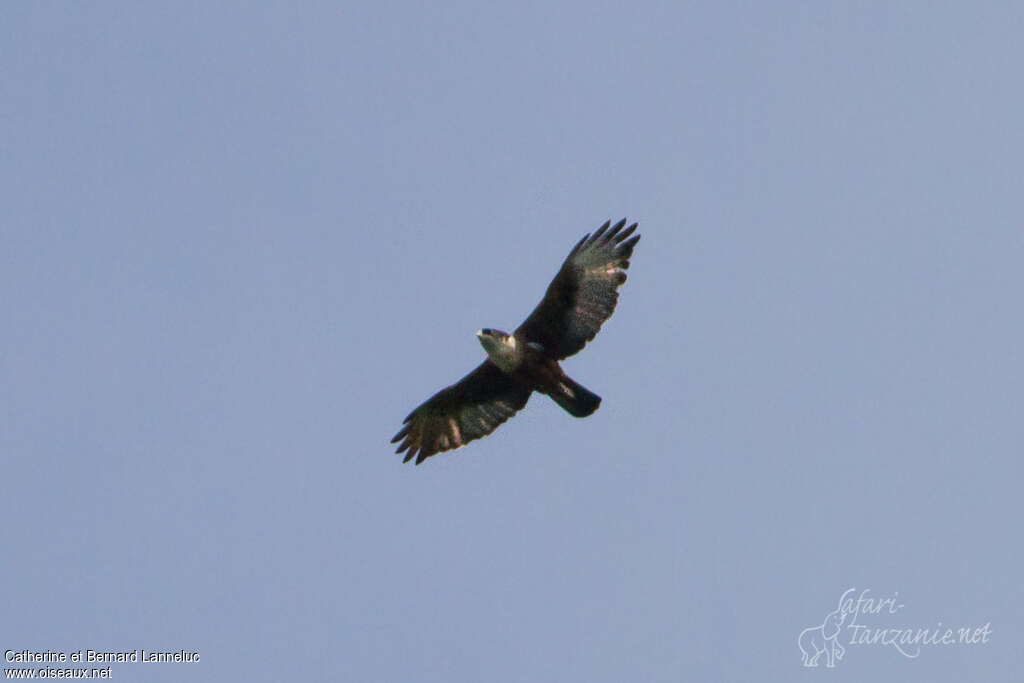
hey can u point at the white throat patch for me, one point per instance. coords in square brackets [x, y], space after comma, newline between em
[502, 352]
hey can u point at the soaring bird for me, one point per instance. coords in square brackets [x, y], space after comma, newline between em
[578, 301]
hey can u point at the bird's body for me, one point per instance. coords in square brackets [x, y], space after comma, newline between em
[529, 364]
[578, 301]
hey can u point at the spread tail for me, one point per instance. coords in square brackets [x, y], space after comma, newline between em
[575, 399]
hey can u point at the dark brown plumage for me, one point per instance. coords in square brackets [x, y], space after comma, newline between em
[467, 410]
[577, 302]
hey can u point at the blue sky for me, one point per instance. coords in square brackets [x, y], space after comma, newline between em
[240, 242]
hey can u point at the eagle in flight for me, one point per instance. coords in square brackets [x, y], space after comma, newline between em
[578, 301]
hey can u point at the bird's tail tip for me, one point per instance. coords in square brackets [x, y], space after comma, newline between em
[576, 399]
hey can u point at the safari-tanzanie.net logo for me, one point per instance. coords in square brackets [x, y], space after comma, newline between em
[861, 619]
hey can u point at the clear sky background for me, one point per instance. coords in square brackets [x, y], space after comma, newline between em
[241, 241]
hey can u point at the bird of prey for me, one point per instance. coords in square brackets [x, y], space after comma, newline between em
[578, 301]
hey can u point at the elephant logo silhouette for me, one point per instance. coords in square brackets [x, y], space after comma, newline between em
[823, 639]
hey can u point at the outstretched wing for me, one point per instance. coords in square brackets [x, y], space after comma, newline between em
[584, 293]
[469, 409]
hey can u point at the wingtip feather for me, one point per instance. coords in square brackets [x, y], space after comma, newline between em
[618, 226]
[579, 244]
[613, 232]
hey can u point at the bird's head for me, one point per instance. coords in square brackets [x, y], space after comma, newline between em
[500, 346]
[494, 339]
